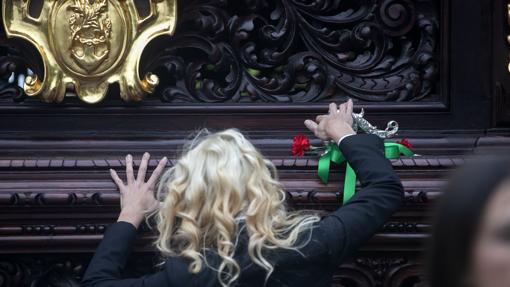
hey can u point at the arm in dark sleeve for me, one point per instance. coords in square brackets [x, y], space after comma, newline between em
[381, 194]
[107, 266]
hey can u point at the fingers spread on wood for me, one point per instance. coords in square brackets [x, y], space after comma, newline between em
[129, 169]
[157, 172]
[117, 179]
[311, 125]
[143, 167]
[332, 108]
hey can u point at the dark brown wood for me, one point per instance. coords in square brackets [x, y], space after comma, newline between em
[501, 60]
[449, 94]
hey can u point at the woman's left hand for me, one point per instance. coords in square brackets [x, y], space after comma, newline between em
[137, 196]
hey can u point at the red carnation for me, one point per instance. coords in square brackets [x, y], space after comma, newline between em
[405, 143]
[300, 145]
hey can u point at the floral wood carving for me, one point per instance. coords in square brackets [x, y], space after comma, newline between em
[300, 51]
[296, 51]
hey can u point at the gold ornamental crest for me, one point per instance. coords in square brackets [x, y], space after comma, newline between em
[89, 44]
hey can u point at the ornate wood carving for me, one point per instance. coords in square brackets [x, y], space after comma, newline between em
[298, 51]
[262, 66]
[301, 51]
[501, 67]
[12, 64]
[66, 271]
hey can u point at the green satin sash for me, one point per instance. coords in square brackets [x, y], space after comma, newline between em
[333, 154]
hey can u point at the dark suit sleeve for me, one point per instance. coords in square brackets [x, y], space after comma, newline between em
[344, 230]
[107, 266]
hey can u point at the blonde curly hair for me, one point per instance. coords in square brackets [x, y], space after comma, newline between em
[220, 179]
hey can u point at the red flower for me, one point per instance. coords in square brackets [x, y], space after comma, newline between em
[300, 145]
[405, 143]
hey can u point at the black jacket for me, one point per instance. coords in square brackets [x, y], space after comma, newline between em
[335, 238]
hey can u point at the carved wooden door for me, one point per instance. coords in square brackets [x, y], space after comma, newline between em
[438, 67]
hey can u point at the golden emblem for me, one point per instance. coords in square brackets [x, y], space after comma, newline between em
[89, 44]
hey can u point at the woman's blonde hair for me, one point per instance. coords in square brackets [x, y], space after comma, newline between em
[220, 180]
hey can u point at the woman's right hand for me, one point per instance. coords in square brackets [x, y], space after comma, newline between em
[137, 195]
[335, 125]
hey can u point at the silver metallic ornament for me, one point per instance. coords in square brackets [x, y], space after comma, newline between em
[359, 123]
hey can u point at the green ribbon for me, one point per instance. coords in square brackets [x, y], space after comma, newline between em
[333, 154]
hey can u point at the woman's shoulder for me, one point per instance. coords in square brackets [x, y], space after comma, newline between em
[178, 274]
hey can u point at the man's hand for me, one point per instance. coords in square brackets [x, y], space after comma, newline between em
[334, 125]
[137, 196]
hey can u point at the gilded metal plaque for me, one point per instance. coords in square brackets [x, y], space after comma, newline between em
[89, 44]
